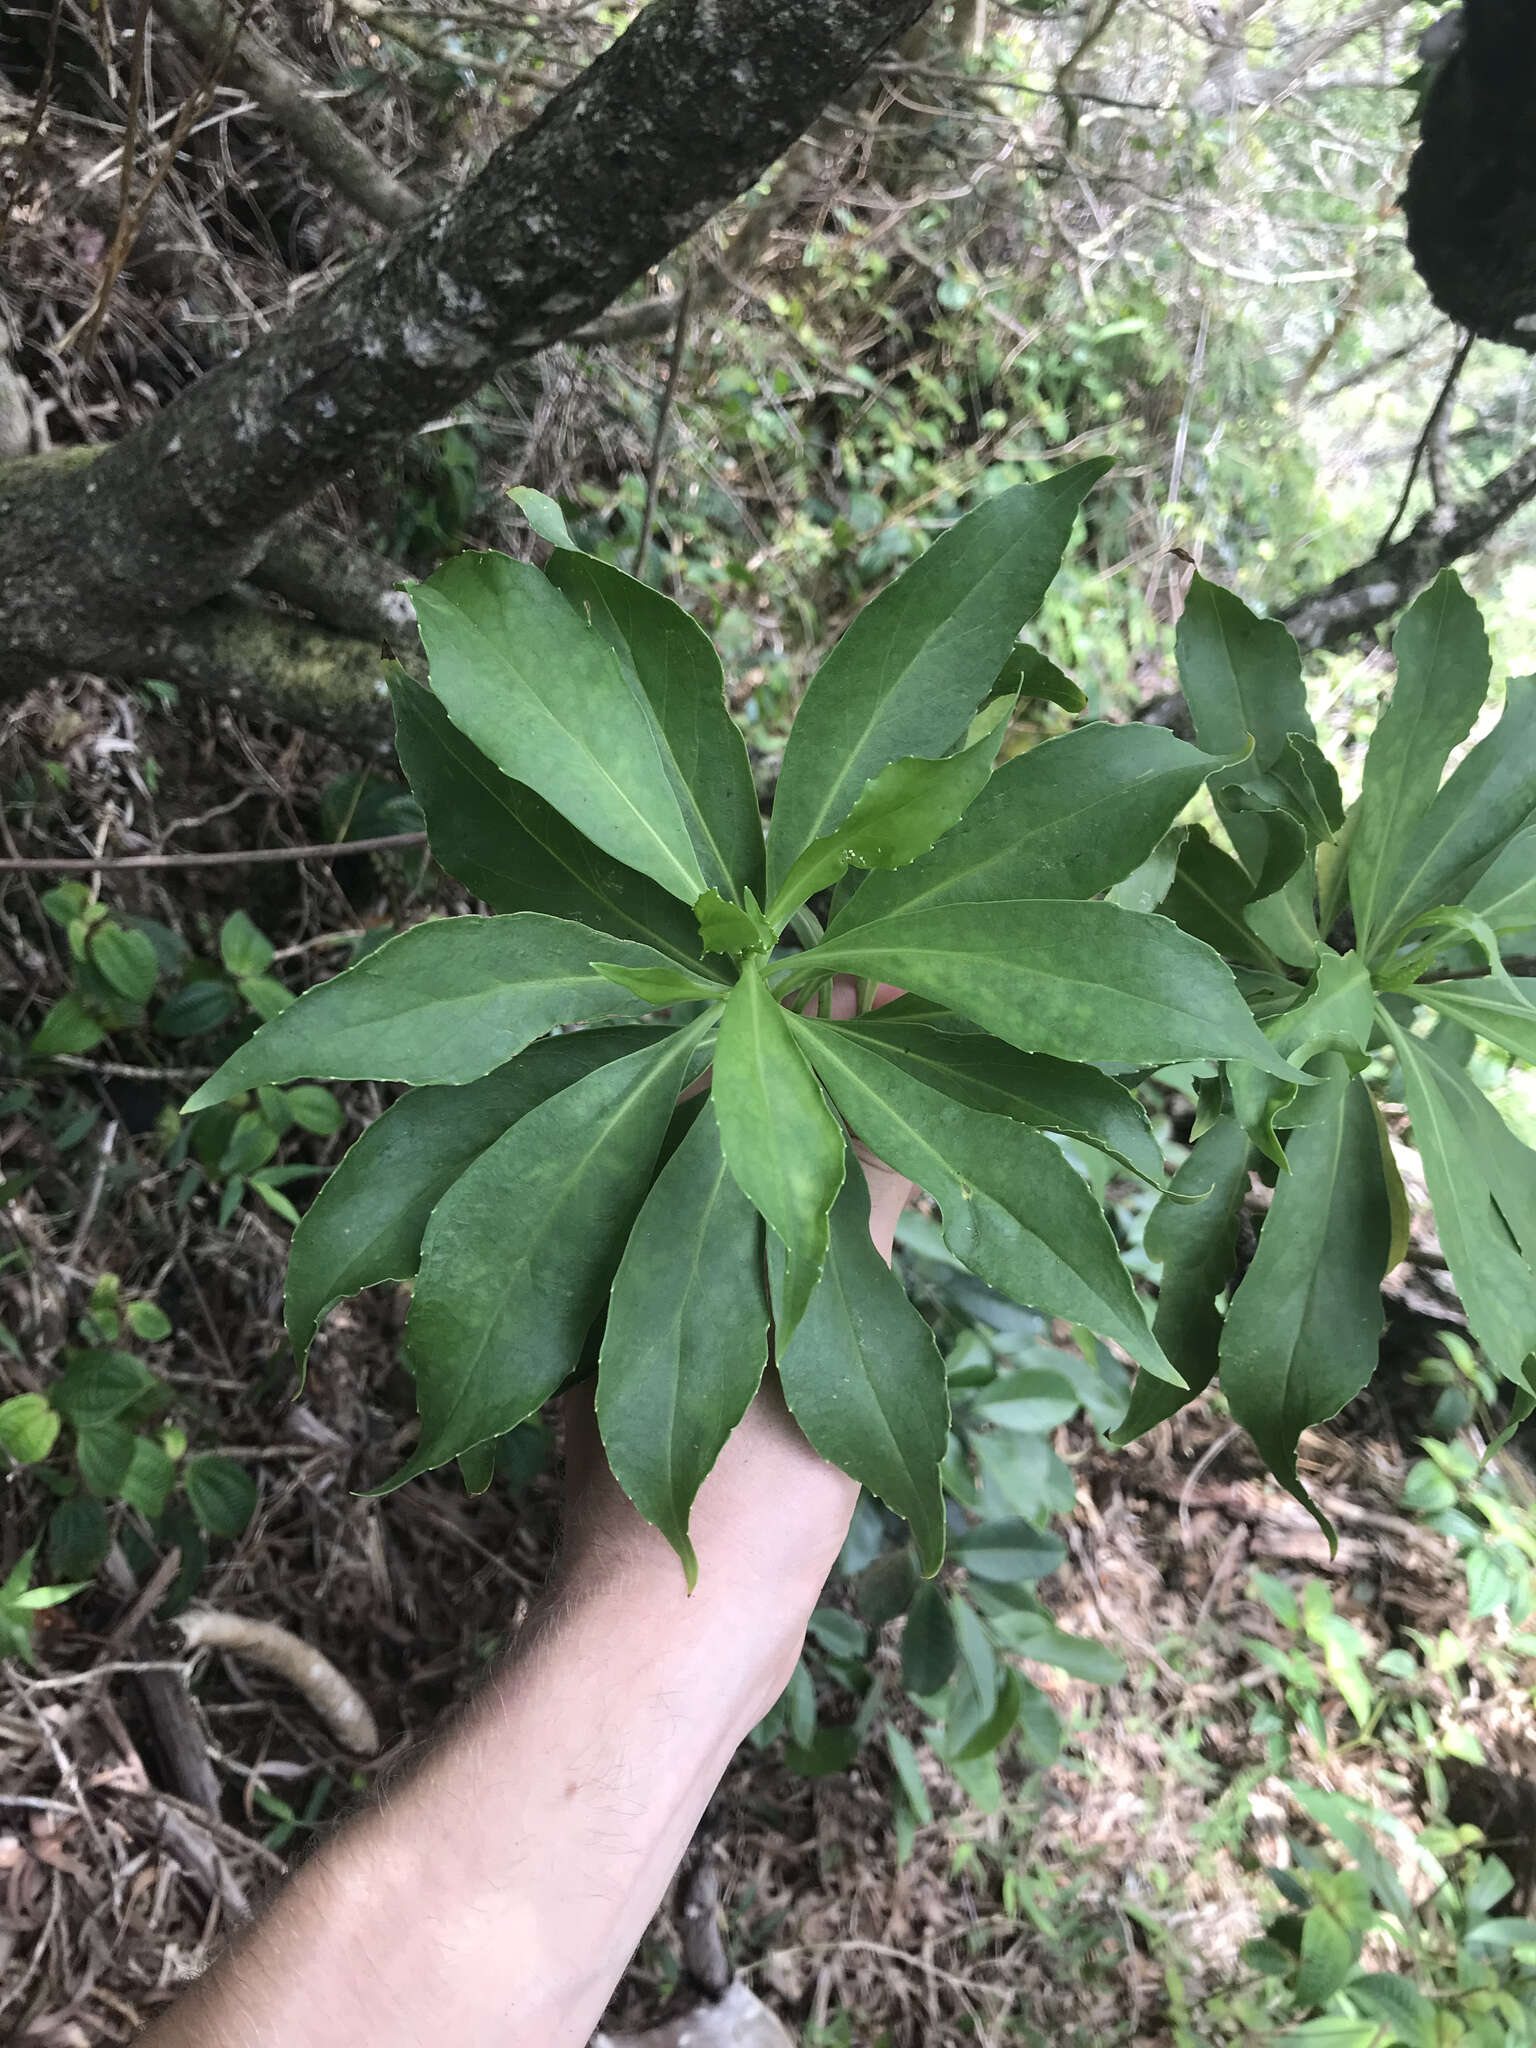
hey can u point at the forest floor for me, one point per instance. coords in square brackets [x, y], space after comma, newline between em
[1056, 1918]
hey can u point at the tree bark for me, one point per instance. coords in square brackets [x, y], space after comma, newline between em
[104, 564]
[1371, 592]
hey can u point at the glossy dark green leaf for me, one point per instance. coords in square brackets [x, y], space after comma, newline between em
[1469, 1156]
[1503, 1012]
[221, 1494]
[520, 1252]
[907, 807]
[669, 658]
[444, 1003]
[1083, 981]
[1241, 676]
[1197, 1244]
[863, 1376]
[511, 848]
[1067, 819]
[1048, 1094]
[1443, 666]
[914, 665]
[781, 1141]
[366, 1224]
[1013, 1210]
[1487, 798]
[1030, 674]
[1300, 1339]
[686, 1340]
[929, 1650]
[542, 694]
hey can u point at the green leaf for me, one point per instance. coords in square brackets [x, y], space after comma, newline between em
[1488, 1007]
[1048, 1094]
[1145, 887]
[902, 812]
[1301, 1336]
[1083, 981]
[1466, 1150]
[1067, 819]
[1009, 1553]
[150, 1476]
[929, 1648]
[514, 850]
[29, 1427]
[730, 929]
[1013, 1210]
[477, 1468]
[1443, 666]
[444, 1002]
[1197, 1244]
[1328, 1953]
[1027, 673]
[1241, 676]
[98, 1386]
[543, 695]
[863, 1376]
[1504, 895]
[781, 1141]
[79, 1537]
[243, 948]
[968, 1738]
[658, 987]
[669, 661]
[200, 1006]
[104, 1452]
[69, 1027]
[1024, 1474]
[686, 1341]
[127, 960]
[520, 1252]
[148, 1322]
[1032, 1398]
[366, 1224]
[221, 1494]
[542, 514]
[1037, 1637]
[909, 1774]
[1486, 799]
[1209, 899]
[915, 663]
[266, 996]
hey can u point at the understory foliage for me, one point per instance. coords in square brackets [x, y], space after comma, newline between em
[956, 962]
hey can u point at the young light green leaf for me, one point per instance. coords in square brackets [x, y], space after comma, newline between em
[366, 1224]
[1048, 1094]
[511, 848]
[917, 661]
[542, 514]
[1443, 665]
[733, 929]
[670, 662]
[909, 804]
[686, 1340]
[1067, 819]
[542, 693]
[1013, 1210]
[1145, 887]
[863, 1376]
[29, 1427]
[781, 1141]
[1486, 799]
[520, 1252]
[1502, 1012]
[444, 1002]
[1197, 1244]
[1084, 981]
[659, 986]
[1301, 1336]
[1461, 1151]
[126, 959]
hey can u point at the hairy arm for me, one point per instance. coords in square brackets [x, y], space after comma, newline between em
[495, 1899]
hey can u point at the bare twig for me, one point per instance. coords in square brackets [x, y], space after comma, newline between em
[1426, 440]
[663, 419]
[391, 842]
